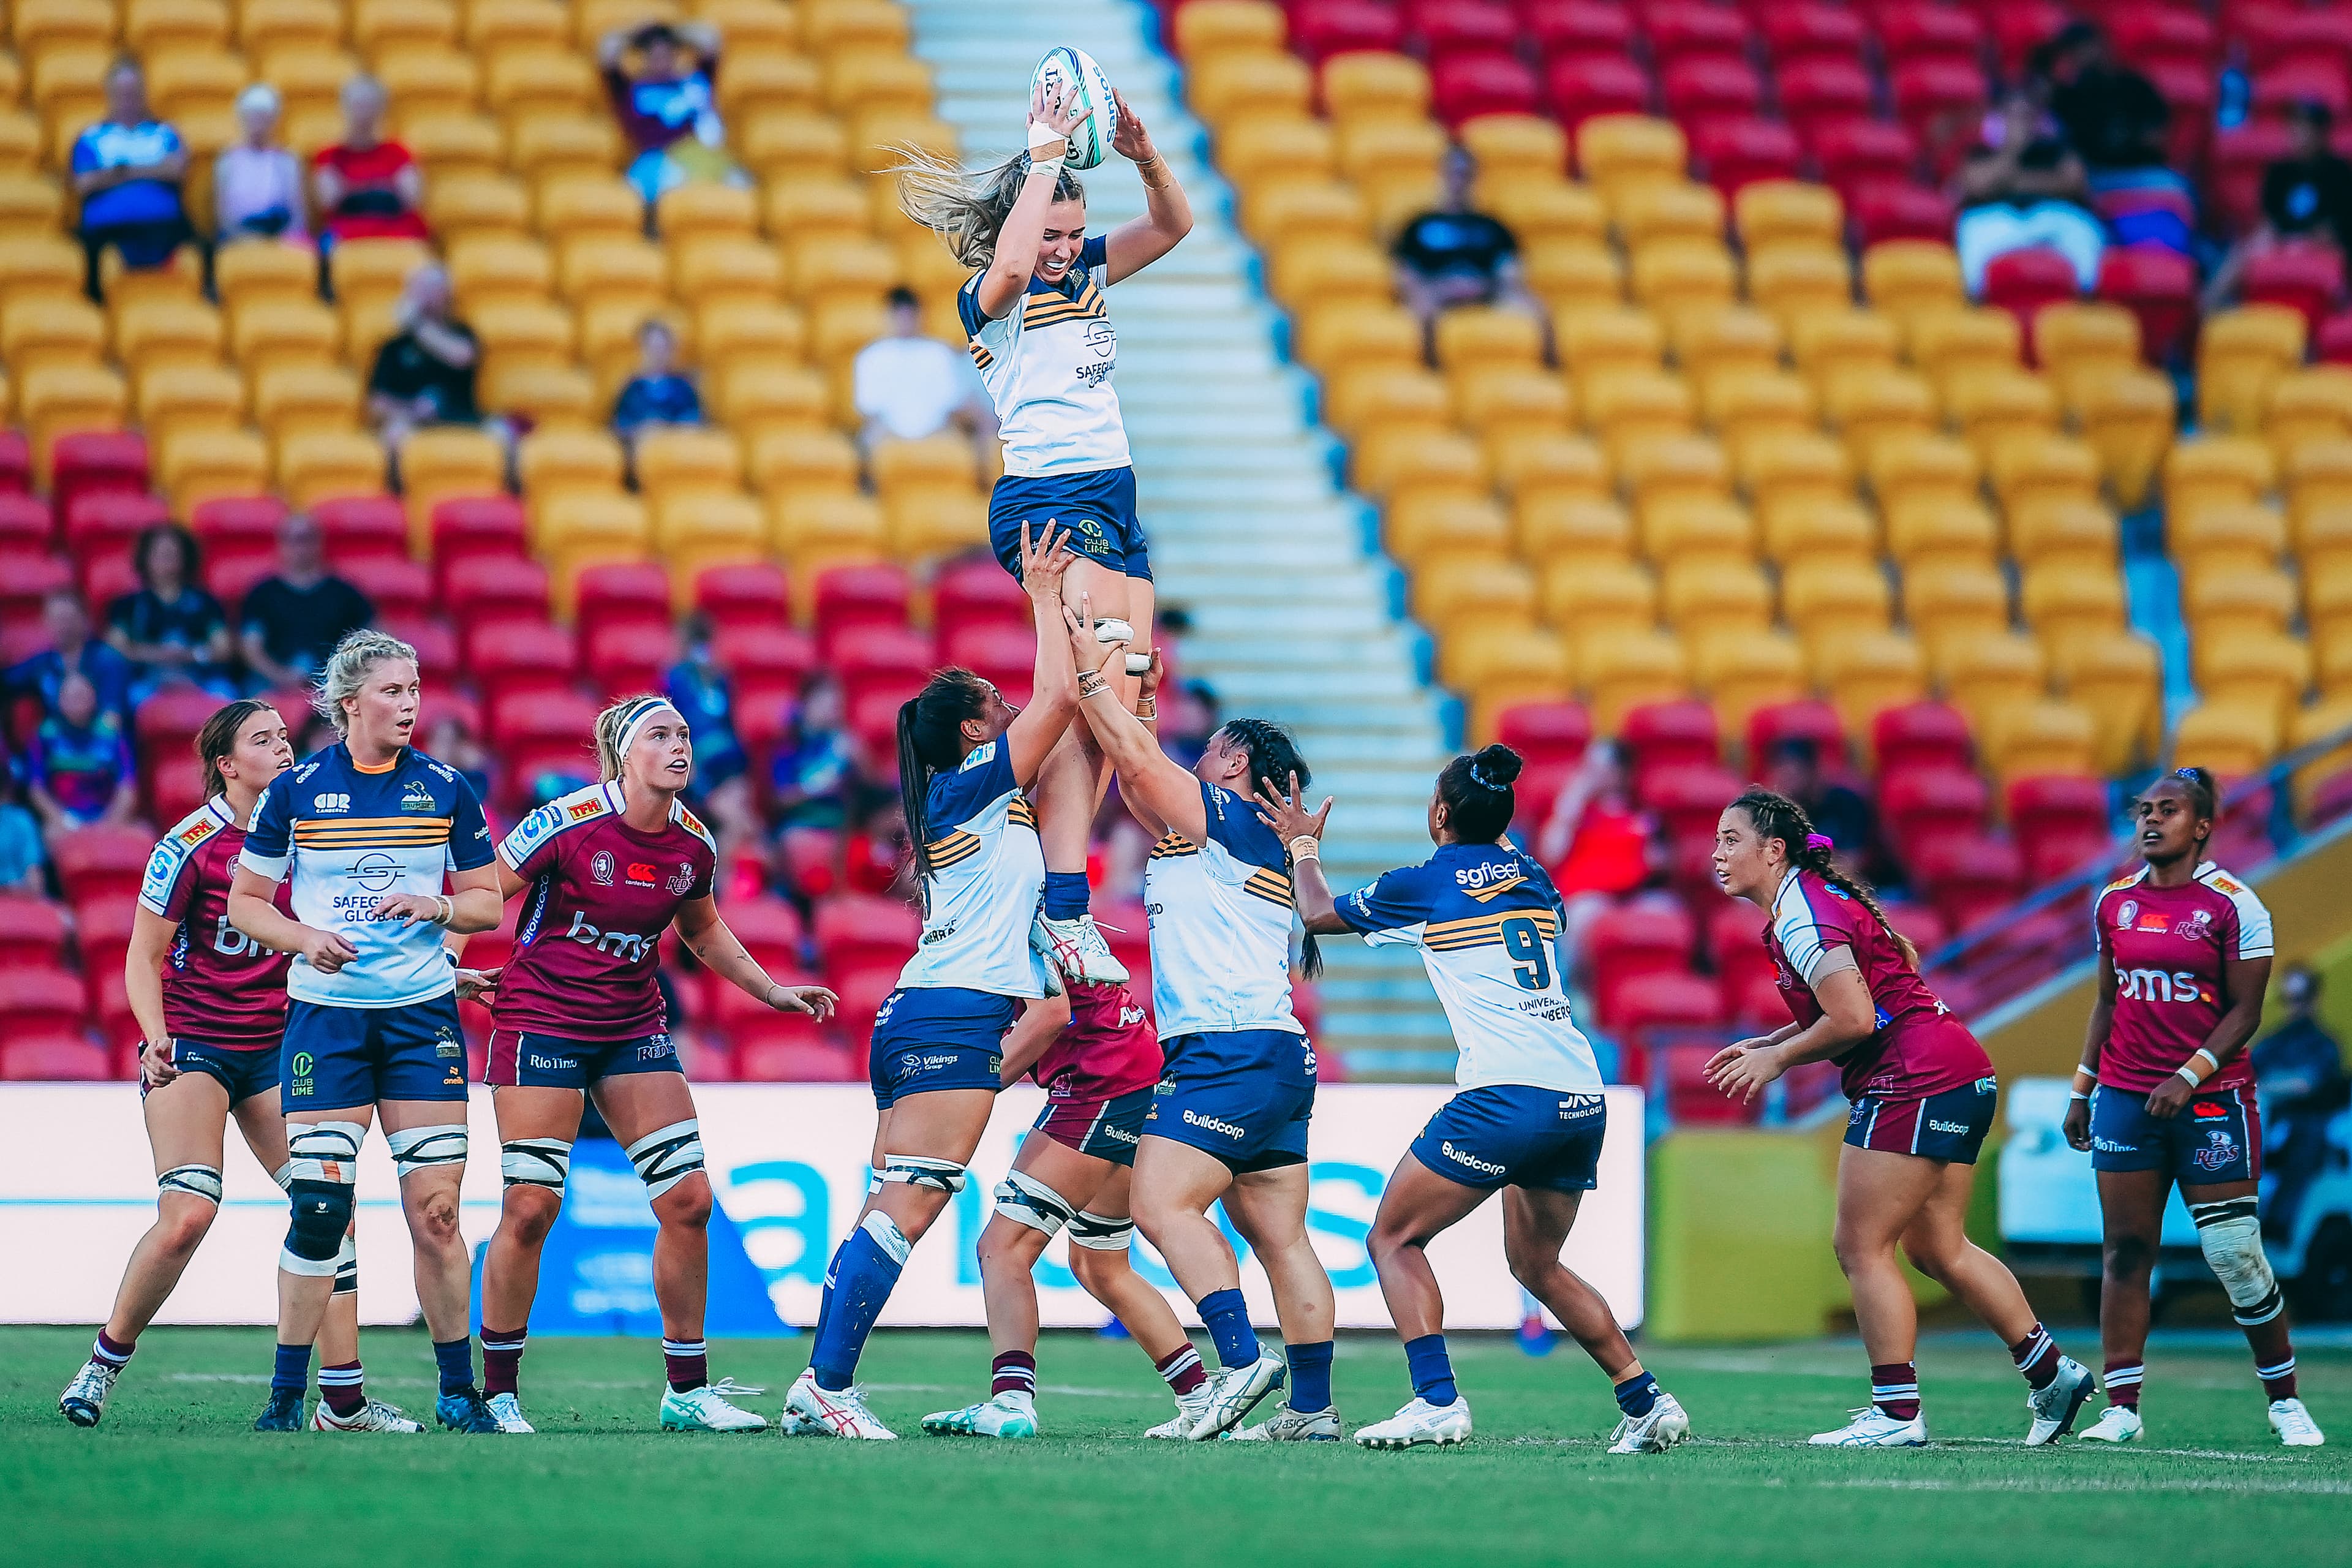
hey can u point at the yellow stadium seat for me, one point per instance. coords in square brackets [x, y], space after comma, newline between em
[2226, 537]
[2064, 602]
[755, 394]
[2224, 468]
[1987, 676]
[870, 79]
[728, 270]
[263, 26]
[1799, 471]
[1709, 342]
[1904, 469]
[2074, 337]
[30, 203]
[20, 143]
[800, 459]
[427, 82]
[826, 204]
[1472, 591]
[167, 332]
[1865, 672]
[1235, 86]
[269, 331]
[592, 270]
[1486, 335]
[943, 461]
[2240, 353]
[2232, 739]
[1514, 143]
[294, 399]
[588, 148]
[1395, 199]
[1647, 213]
[1226, 27]
[1373, 149]
[1682, 529]
[65, 84]
[694, 210]
[184, 82]
[1908, 278]
[1607, 598]
[579, 521]
[319, 465]
[388, 25]
[2068, 533]
[2267, 674]
[40, 330]
[2318, 481]
[2117, 677]
[1274, 148]
[1440, 528]
[1386, 397]
[2126, 416]
[1745, 405]
[1947, 602]
[1871, 404]
[567, 462]
[1626, 407]
[1594, 343]
[1347, 331]
[1414, 461]
[2323, 541]
[455, 146]
[1988, 407]
[2034, 467]
[463, 204]
[1678, 277]
[179, 279]
[1827, 344]
[1702, 597]
[446, 461]
[1508, 400]
[1618, 150]
[1945, 343]
[48, 266]
[768, 81]
[2327, 608]
[40, 26]
[934, 520]
[1619, 674]
[1810, 530]
[1788, 212]
[1572, 528]
[494, 26]
[786, 143]
[526, 333]
[1667, 469]
[531, 83]
[1541, 209]
[1573, 276]
[2314, 405]
[744, 24]
[309, 78]
[194, 466]
[1498, 666]
[2326, 717]
[1743, 670]
[1789, 280]
[1537, 467]
[1282, 213]
[1828, 599]
[713, 523]
[248, 274]
[568, 207]
[822, 525]
[838, 329]
[877, 138]
[2047, 737]
[679, 460]
[2230, 600]
[823, 269]
[1356, 86]
[154, 24]
[1939, 530]
[175, 397]
[491, 272]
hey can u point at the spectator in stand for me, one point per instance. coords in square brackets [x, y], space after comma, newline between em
[1839, 811]
[291, 621]
[667, 104]
[700, 690]
[170, 627]
[72, 650]
[908, 387]
[877, 857]
[77, 769]
[257, 184]
[449, 740]
[2022, 188]
[1600, 845]
[2306, 201]
[658, 397]
[1456, 254]
[814, 777]
[425, 371]
[314, 733]
[2117, 122]
[127, 170]
[21, 857]
[2299, 1075]
[366, 187]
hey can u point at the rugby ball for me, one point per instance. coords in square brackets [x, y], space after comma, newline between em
[1066, 70]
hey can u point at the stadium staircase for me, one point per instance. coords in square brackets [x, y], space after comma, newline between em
[1292, 616]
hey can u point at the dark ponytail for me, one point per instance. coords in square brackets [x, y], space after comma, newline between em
[931, 740]
[2204, 793]
[217, 741]
[1274, 761]
[1778, 816]
[1477, 795]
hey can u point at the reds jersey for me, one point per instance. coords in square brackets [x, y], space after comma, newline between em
[1918, 1047]
[1107, 1049]
[2168, 946]
[219, 985]
[602, 894]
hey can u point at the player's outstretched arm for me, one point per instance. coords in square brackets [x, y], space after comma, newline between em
[1023, 231]
[1053, 688]
[704, 933]
[1301, 832]
[1167, 212]
[1161, 794]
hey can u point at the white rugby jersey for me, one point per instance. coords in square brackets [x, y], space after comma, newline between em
[1221, 916]
[1486, 918]
[354, 836]
[1047, 367]
[988, 876]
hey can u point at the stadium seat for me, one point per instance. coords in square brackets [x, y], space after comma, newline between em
[2239, 354]
[92, 862]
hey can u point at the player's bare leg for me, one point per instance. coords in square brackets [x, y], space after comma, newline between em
[428, 1203]
[537, 1128]
[2228, 1232]
[1879, 1194]
[1073, 780]
[1269, 1208]
[1536, 1222]
[1418, 1205]
[2131, 1219]
[1173, 1186]
[1103, 1262]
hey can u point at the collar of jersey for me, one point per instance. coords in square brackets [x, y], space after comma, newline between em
[218, 805]
[1072, 286]
[618, 805]
[359, 767]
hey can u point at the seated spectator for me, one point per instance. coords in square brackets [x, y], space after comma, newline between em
[2299, 1076]
[1840, 813]
[450, 739]
[699, 688]
[170, 627]
[77, 769]
[292, 620]
[658, 397]
[1456, 254]
[814, 778]
[127, 170]
[2306, 201]
[425, 371]
[21, 857]
[366, 187]
[908, 387]
[1600, 846]
[256, 184]
[72, 650]
[667, 105]
[2117, 122]
[2023, 189]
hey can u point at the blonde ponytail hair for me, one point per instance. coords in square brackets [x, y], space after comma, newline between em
[346, 671]
[966, 208]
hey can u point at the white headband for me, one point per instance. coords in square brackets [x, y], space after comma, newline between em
[636, 719]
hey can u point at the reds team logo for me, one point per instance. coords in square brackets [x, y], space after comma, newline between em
[600, 867]
[2126, 913]
[683, 883]
[2196, 925]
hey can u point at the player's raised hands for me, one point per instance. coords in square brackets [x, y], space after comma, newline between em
[1288, 815]
[1087, 650]
[813, 1000]
[1054, 113]
[1740, 1071]
[1128, 138]
[1044, 561]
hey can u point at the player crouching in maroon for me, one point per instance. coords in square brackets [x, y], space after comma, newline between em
[577, 1011]
[1922, 1093]
[1094, 1051]
[2166, 1095]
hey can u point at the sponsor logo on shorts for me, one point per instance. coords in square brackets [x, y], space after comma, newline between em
[1572, 1106]
[1855, 1113]
[1120, 1135]
[916, 1061]
[1988, 1085]
[445, 1043]
[552, 1064]
[654, 1049]
[1961, 1128]
[1212, 1124]
[600, 867]
[1463, 1157]
[302, 1082]
[2110, 1146]
[2219, 1150]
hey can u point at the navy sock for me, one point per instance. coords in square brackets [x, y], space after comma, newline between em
[1066, 895]
[1226, 1317]
[293, 1370]
[1310, 1375]
[1637, 1394]
[864, 1273]
[1433, 1370]
[457, 1361]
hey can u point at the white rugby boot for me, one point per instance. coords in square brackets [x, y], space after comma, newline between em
[1420, 1424]
[2056, 1405]
[1190, 1409]
[2293, 1424]
[710, 1408]
[1005, 1416]
[84, 1400]
[2116, 1424]
[375, 1415]
[1288, 1425]
[835, 1413]
[1078, 949]
[1234, 1391]
[1874, 1428]
[508, 1409]
[1667, 1424]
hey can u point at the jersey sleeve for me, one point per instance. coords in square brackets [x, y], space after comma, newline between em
[986, 776]
[1807, 932]
[2250, 936]
[1394, 908]
[968, 309]
[1094, 255]
[528, 851]
[269, 843]
[469, 830]
[171, 876]
[1234, 828]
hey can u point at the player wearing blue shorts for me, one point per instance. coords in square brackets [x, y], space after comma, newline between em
[1037, 313]
[965, 758]
[1229, 1122]
[1530, 1115]
[367, 829]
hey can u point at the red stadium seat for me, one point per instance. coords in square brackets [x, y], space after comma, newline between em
[1970, 877]
[88, 461]
[1321, 28]
[32, 935]
[1819, 93]
[1808, 719]
[173, 787]
[1913, 30]
[2158, 287]
[2019, 28]
[238, 526]
[1736, 945]
[1736, 152]
[768, 666]
[783, 1060]
[860, 928]
[2143, 35]
[54, 1056]
[40, 999]
[1925, 806]
[975, 593]
[2234, 183]
[862, 990]
[877, 658]
[1652, 937]
[359, 526]
[629, 659]
[849, 596]
[2332, 343]
[515, 717]
[1919, 734]
[167, 722]
[2022, 281]
[25, 525]
[1927, 929]
[634, 593]
[1885, 212]
[809, 861]
[2190, 93]
[107, 577]
[770, 930]
[105, 523]
[1809, 31]
[231, 577]
[1755, 1001]
[2061, 824]
[394, 585]
[1546, 732]
[2306, 278]
[1581, 87]
[436, 646]
[754, 593]
[1464, 85]
[1683, 30]
[1680, 733]
[1942, 101]
[1446, 27]
[16, 463]
[497, 589]
[1688, 799]
[466, 528]
[513, 657]
[26, 577]
[102, 932]
[1567, 29]
[1007, 656]
[2282, 87]
[1690, 1099]
[1706, 87]
[93, 861]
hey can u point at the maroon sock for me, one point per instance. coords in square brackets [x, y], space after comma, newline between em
[343, 1388]
[111, 1350]
[2122, 1383]
[2036, 1356]
[686, 1363]
[2278, 1380]
[1014, 1372]
[501, 1360]
[1182, 1369]
[1895, 1389]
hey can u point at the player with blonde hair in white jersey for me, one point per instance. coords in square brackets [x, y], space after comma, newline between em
[1037, 311]
[1530, 1116]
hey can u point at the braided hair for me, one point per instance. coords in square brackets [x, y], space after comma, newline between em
[930, 741]
[1477, 792]
[1778, 816]
[1274, 760]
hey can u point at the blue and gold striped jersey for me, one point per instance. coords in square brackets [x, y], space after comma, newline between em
[1047, 365]
[351, 838]
[988, 873]
[1486, 920]
[1221, 915]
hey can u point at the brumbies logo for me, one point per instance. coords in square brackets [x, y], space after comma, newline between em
[416, 797]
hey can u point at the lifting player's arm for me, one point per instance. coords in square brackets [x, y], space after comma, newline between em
[2078, 1125]
[1292, 823]
[1040, 1024]
[1848, 1017]
[722, 952]
[2246, 980]
[1166, 215]
[1023, 231]
[1163, 796]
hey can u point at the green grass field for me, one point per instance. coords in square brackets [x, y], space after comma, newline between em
[175, 1476]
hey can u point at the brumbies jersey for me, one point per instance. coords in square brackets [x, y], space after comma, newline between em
[1486, 918]
[1220, 925]
[1047, 367]
[987, 874]
[354, 836]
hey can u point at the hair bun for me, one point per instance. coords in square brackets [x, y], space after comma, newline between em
[1497, 766]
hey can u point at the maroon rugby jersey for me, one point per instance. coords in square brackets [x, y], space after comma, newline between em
[1919, 1048]
[2168, 947]
[219, 985]
[602, 895]
[1108, 1049]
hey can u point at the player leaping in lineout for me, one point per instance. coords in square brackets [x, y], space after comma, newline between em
[1038, 315]
[577, 1012]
